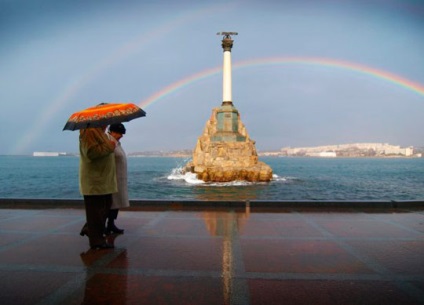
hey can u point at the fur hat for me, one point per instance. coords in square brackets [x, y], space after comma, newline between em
[118, 128]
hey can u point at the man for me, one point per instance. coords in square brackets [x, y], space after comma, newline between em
[97, 182]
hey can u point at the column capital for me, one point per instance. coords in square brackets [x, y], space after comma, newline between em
[227, 44]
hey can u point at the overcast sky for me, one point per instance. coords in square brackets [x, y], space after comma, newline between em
[305, 73]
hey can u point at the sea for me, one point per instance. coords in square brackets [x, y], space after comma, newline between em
[161, 178]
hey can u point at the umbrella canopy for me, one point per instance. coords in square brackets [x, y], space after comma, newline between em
[102, 115]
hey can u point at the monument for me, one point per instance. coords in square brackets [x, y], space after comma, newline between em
[225, 152]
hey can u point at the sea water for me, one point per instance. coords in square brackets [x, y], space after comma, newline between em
[162, 178]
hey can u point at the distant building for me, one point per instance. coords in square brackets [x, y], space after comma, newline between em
[323, 154]
[407, 151]
[48, 154]
[351, 150]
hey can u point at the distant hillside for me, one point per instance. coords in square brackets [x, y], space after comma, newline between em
[340, 150]
[353, 150]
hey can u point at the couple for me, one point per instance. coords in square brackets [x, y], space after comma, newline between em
[103, 181]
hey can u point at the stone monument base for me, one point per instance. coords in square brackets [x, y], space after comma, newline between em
[233, 158]
[260, 172]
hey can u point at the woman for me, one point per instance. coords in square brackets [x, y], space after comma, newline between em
[120, 199]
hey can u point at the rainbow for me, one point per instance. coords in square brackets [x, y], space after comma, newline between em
[277, 61]
[179, 85]
[140, 42]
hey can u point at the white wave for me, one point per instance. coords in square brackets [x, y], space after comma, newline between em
[275, 177]
[287, 179]
[191, 178]
[178, 174]
[231, 183]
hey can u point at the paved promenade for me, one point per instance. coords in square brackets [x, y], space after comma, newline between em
[216, 255]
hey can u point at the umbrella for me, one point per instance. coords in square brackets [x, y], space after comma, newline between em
[102, 115]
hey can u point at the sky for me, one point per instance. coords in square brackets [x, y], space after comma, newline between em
[304, 73]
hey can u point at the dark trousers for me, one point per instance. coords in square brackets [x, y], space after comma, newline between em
[113, 214]
[96, 211]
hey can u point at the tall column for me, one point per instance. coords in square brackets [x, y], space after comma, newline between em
[227, 44]
[227, 116]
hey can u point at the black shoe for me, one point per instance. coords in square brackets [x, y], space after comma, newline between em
[84, 230]
[112, 229]
[104, 245]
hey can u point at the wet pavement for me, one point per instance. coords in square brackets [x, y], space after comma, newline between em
[216, 256]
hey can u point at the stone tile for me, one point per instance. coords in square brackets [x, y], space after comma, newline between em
[54, 249]
[179, 226]
[12, 237]
[172, 254]
[418, 283]
[412, 221]
[398, 256]
[301, 292]
[26, 287]
[276, 227]
[16, 213]
[365, 228]
[298, 256]
[115, 289]
[34, 223]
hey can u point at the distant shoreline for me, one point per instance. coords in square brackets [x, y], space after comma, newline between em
[260, 154]
[353, 150]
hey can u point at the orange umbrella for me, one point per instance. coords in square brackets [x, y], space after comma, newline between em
[102, 115]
